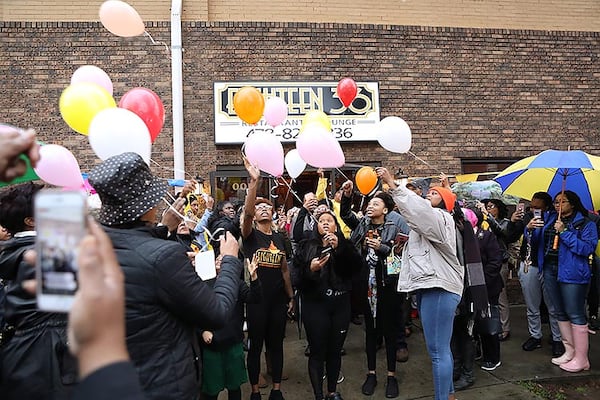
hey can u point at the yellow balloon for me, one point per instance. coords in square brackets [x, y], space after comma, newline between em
[316, 117]
[79, 103]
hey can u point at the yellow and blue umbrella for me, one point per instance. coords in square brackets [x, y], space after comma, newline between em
[552, 171]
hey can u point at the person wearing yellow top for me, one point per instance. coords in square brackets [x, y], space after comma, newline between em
[333, 204]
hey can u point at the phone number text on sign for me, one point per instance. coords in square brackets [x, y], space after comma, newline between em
[291, 134]
[355, 123]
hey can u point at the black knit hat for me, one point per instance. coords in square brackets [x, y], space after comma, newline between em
[126, 188]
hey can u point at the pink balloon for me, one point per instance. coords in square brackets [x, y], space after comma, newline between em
[266, 152]
[120, 19]
[276, 111]
[58, 166]
[92, 74]
[318, 147]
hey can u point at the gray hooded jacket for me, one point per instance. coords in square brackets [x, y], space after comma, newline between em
[429, 258]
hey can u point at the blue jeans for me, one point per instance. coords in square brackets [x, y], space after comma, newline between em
[436, 310]
[531, 285]
[567, 299]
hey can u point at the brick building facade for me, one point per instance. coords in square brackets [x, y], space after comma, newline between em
[477, 91]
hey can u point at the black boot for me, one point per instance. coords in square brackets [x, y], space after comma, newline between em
[464, 381]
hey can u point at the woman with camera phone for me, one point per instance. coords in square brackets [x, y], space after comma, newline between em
[327, 263]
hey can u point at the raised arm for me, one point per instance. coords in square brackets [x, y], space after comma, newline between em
[249, 203]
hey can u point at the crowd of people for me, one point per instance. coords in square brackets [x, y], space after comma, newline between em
[145, 325]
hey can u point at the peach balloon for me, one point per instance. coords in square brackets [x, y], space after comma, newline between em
[121, 19]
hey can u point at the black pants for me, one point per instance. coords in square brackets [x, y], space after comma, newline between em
[593, 298]
[387, 324]
[488, 330]
[266, 324]
[326, 324]
[463, 348]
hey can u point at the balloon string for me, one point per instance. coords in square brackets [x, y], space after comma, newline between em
[297, 197]
[155, 42]
[341, 173]
[424, 162]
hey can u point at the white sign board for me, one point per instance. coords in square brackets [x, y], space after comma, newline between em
[355, 123]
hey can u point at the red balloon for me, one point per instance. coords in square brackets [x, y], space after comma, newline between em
[148, 106]
[347, 91]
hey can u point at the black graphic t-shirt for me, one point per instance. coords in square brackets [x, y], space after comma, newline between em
[270, 250]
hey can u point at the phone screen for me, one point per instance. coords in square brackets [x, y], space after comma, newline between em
[325, 251]
[60, 225]
[521, 207]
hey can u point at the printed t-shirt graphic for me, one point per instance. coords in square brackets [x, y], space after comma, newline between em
[270, 257]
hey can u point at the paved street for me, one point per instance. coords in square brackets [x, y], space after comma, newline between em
[415, 375]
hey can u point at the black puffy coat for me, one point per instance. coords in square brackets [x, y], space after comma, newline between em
[35, 362]
[336, 274]
[165, 302]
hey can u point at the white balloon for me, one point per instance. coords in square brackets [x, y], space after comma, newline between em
[394, 135]
[294, 164]
[117, 130]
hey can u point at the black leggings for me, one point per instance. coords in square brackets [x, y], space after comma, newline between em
[266, 324]
[326, 323]
[388, 325]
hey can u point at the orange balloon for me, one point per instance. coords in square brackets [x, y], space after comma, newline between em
[249, 104]
[366, 180]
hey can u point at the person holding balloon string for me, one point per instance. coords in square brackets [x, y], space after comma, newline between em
[267, 319]
[431, 269]
[373, 237]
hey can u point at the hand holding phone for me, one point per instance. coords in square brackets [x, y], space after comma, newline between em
[60, 218]
[521, 208]
[325, 252]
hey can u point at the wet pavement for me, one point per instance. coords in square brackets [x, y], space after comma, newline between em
[414, 376]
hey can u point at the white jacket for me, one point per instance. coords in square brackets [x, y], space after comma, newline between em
[429, 258]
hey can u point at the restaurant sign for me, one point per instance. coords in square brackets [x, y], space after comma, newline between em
[354, 123]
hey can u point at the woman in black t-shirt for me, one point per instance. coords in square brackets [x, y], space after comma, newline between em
[266, 320]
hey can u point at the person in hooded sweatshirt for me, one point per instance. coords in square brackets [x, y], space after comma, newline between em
[36, 363]
[431, 269]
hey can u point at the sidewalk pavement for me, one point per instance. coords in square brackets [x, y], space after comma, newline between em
[414, 376]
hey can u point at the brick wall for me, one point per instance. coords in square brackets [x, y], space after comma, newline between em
[567, 15]
[466, 93]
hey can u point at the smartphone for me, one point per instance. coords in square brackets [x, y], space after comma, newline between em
[521, 208]
[401, 238]
[60, 219]
[327, 250]
[537, 213]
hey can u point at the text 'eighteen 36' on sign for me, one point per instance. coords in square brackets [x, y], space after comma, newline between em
[355, 123]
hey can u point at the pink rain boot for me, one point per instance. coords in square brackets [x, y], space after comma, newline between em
[581, 341]
[566, 332]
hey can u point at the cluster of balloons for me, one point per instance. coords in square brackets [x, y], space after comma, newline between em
[315, 146]
[88, 107]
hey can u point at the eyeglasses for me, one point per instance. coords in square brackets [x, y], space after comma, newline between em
[557, 202]
[490, 206]
[264, 206]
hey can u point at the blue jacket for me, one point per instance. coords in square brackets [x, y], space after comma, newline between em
[575, 246]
